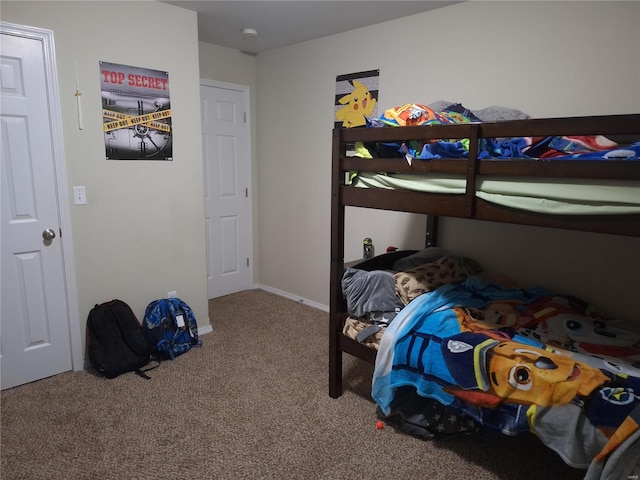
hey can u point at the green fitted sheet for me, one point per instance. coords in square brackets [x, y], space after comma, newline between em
[561, 197]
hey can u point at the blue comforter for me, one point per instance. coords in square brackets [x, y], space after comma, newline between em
[503, 356]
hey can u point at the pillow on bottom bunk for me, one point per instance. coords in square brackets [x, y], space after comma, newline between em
[426, 278]
[370, 294]
[427, 255]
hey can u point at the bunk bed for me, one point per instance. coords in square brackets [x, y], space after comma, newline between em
[369, 183]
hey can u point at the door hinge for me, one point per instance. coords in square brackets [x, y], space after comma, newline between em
[247, 262]
[246, 192]
[245, 117]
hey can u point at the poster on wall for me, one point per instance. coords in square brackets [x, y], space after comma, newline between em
[136, 113]
[356, 98]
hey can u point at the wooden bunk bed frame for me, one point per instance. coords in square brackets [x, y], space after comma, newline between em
[467, 205]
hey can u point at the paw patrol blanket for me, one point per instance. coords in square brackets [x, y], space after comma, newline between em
[522, 360]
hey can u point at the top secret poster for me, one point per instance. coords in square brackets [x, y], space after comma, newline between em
[136, 113]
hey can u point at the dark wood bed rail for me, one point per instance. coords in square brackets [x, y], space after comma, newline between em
[467, 205]
[597, 169]
[443, 205]
[539, 127]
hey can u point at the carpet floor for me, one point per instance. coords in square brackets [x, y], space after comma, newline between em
[251, 403]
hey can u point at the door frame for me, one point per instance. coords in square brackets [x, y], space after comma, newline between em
[245, 90]
[62, 196]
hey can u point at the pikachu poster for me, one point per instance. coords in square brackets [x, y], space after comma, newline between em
[356, 98]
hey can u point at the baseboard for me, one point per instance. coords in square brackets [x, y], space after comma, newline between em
[291, 296]
[206, 329]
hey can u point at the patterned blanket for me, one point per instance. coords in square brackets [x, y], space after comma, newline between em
[519, 360]
[589, 147]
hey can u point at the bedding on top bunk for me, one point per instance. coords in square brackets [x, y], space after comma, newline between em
[584, 147]
[510, 359]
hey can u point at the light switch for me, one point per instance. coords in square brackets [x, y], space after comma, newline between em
[79, 195]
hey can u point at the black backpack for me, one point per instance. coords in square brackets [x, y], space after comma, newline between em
[116, 341]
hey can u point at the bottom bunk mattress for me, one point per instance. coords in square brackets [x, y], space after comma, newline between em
[560, 197]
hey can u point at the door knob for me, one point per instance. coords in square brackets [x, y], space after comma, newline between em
[49, 234]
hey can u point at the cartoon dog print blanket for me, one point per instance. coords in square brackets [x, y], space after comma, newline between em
[522, 360]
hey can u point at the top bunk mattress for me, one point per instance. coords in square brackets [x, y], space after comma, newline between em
[547, 196]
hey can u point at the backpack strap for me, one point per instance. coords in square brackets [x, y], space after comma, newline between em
[142, 373]
[186, 311]
[172, 312]
[165, 345]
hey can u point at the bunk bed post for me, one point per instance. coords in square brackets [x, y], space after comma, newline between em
[431, 235]
[336, 303]
[472, 168]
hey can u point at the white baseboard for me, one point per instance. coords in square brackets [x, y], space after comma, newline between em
[205, 329]
[291, 296]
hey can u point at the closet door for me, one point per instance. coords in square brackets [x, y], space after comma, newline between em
[227, 167]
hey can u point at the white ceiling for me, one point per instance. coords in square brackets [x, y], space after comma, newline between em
[281, 23]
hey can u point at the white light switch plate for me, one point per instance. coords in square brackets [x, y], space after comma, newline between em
[79, 195]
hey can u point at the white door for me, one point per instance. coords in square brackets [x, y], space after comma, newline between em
[34, 324]
[227, 185]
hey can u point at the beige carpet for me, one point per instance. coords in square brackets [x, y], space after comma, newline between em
[251, 403]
